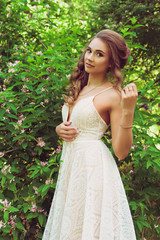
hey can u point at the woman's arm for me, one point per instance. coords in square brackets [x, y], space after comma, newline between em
[121, 118]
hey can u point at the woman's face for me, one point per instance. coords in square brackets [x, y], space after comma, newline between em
[96, 58]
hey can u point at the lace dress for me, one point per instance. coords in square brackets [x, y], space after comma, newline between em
[89, 202]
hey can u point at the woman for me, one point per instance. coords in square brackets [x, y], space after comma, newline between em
[90, 202]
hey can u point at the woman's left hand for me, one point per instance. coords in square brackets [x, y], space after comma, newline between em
[129, 97]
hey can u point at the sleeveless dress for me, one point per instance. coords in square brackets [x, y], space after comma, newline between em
[89, 201]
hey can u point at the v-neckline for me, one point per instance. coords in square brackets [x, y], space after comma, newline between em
[70, 115]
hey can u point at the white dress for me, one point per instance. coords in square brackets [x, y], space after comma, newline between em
[89, 202]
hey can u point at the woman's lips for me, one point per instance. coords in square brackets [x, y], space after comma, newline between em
[89, 65]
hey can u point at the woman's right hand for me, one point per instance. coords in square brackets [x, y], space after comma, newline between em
[66, 131]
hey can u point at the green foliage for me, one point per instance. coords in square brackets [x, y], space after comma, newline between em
[38, 49]
[40, 43]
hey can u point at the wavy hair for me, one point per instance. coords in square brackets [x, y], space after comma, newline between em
[118, 57]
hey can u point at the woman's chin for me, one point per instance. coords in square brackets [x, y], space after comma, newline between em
[88, 70]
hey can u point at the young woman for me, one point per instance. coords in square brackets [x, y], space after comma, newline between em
[90, 202]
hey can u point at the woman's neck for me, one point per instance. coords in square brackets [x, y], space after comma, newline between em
[94, 80]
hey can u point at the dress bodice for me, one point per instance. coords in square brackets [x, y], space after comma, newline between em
[86, 117]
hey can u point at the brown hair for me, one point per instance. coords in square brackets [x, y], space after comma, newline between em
[119, 53]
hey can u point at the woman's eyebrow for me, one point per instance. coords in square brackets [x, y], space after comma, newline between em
[97, 50]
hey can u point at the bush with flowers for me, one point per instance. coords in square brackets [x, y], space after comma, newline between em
[38, 49]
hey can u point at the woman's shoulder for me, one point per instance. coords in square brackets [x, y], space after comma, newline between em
[113, 96]
[109, 99]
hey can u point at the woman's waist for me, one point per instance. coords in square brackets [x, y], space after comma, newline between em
[85, 135]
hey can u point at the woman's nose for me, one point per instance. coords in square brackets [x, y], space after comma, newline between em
[91, 57]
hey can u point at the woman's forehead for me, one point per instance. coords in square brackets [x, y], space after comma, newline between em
[98, 44]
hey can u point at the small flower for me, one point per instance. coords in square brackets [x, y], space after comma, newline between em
[48, 69]
[6, 204]
[52, 44]
[145, 147]
[68, 75]
[12, 179]
[6, 169]
[2, 224]
[44, 163]
[46, 101]
[16, 62]
[42, 104]
[11, 70]
[33, 154]
[19, 122]
[26, 79]
[58, 149]
[50, 181]
[39, 53]
[1, 154]
[35, 189]
[16, 127]
[34, 208]
[6, 81]
[12, 222]
[42, 89]
[40, 143]
[24, 89]
[40, 210]
[133, 146]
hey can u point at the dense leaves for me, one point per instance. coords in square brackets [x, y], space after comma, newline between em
[39, 45]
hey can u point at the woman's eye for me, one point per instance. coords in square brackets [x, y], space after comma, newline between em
[99, 54]
[89, 50]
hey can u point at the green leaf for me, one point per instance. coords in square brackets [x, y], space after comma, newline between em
[24, 145]
[137, 26]
[40, 219]
[33, 167]
[138, 46]
[7, 229]
[13, 209]
[157, 161]
[133, 20]
[12, 187]
[46, 187]
[32, 215]
[15, 235]
[26, 206]
[1, 207]
[24, 135]
[140, 225]
[149, 163]
[34, 173]
[28, 110]
[2, 112]
[12, 116]
[20, 226]
[6, 216]
[3, 181]
[12, 106]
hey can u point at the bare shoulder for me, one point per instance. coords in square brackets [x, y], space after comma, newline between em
[113, 97]
[108, 100]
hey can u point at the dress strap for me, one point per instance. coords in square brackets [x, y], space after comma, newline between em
[103, 90]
